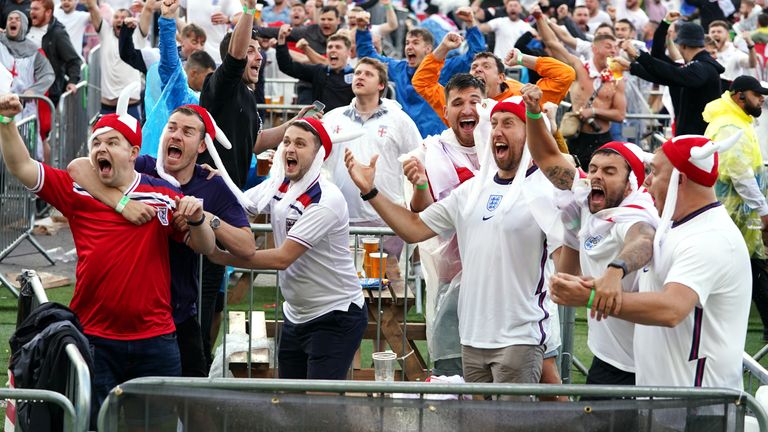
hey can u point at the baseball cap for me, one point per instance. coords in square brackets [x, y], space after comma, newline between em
[746, 82]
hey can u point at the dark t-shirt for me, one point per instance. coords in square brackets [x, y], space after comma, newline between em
[217, 199]
[233, 106]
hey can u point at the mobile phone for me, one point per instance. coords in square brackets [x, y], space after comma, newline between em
[317, 106]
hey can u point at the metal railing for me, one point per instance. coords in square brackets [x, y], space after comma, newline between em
[404, 350]
[93, 105]
[358, 405]
[40, 396]
[17, 217]
[78, 386]
[72, 126]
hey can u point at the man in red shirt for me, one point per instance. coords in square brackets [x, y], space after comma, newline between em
[122, 294]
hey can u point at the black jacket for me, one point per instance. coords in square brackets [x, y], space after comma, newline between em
[63, 57]
[333, 88]
[233, 106]
[39, 361]
[698, 82]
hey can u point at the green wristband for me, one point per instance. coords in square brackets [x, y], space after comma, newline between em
[533, 116]
[249, 11]
[5, 120]
[667, 22]
[423, 186]
[121, 205]
[591, 299]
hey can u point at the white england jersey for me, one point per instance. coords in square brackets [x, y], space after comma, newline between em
[705, 252]
[324, 278]
[503, 297]
[389, 132]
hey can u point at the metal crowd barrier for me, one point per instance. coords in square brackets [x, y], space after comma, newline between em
[78, 387]
[93, 106]
[72, 126]
[315, 405]
[40, 396]
[355, 233]
[17, 217]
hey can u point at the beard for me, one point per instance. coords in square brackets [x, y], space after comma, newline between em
[754, 111]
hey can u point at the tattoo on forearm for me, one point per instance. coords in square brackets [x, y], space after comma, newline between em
[560, 176]
[638, 246]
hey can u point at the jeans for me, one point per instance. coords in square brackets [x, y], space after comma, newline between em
[117, 361]
[324, 347]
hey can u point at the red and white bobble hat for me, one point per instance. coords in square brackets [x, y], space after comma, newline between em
[635, 157]
[696, 157]
[120, 121]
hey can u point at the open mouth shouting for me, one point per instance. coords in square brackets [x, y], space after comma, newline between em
[291, 163]
[467, 124]
[104, 166]
[174, 152]
[500, 149]
[597, 196]
[411, 57]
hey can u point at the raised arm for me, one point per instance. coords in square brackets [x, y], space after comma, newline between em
[406, 224]
[286, 63]
[556, 76]
[426, 78]
[93, 9]
[241, 36]
[128, 52]
[15, 154]
[558, 170]
[391, 23]
[148, 12]
[313, 56]
[550, 40]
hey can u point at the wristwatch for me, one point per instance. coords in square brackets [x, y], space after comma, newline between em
[619, 264]
[215, 222]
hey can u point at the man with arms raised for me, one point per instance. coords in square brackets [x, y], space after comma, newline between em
[503, 317]
[419, 43]
[597, 97]
[610, 221]
[692, 310]
[122, 295]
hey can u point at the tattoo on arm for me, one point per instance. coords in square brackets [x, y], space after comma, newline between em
[560, 176]
[638, 246]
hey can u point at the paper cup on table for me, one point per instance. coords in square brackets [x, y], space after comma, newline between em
[384, 365]
[378, 262]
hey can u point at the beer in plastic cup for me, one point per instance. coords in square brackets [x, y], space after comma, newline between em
[378, 263]
[257, 14]
[370, 244]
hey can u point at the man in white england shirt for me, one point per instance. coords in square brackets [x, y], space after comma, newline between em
[693, 304]
[503, 316]
[508, 29]
[609, 221]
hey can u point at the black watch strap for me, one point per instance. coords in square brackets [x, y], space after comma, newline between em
[370, 195]
[619, 264]
[197, 223]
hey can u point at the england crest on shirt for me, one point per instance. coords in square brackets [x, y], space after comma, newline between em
[348, 78]
[493, 202]
[162, 215]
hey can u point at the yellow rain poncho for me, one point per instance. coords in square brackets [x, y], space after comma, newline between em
[740, 171]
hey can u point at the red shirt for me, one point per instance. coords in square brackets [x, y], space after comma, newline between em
[123, 272]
